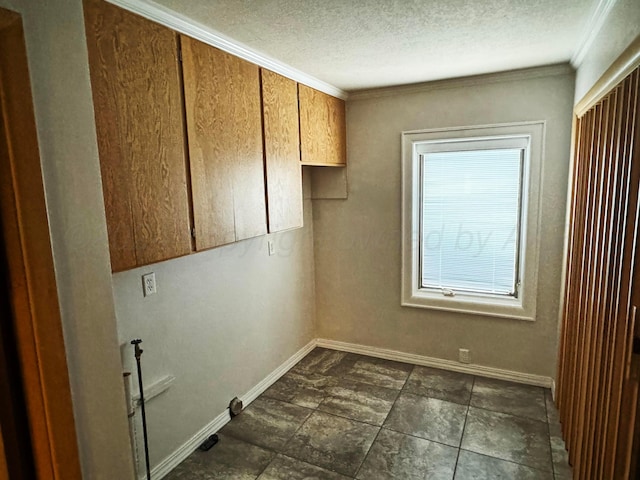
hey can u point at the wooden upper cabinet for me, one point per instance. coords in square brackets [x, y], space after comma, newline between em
[222, 98]
[135, 77]
[322, 128]
[281, 151]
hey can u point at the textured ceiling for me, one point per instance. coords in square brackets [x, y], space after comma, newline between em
[358, 44]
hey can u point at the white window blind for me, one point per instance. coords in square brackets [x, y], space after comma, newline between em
[470, 220]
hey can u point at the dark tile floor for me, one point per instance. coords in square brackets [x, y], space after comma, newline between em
[337, 415]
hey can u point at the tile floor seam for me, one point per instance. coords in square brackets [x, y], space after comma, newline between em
[326, 467]
[421, 438]
[346, 418]
[313, 464]
[546, 411]
[549, 464]
[271, 449]
[508, 461]
[455, 468]
[266, 466]
[553, 474]
[277, 452]
[367, 454]
[510, 414]
[392, 405]
[398, 392]
[286, 444]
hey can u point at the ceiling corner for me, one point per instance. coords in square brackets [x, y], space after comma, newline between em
[594, 25]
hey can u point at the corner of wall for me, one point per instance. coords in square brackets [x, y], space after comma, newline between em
[618, 31]
[56, 49]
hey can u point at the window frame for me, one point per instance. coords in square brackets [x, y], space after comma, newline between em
[510, 142]
[522, 307]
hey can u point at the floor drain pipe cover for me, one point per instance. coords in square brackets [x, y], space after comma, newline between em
[235, 406]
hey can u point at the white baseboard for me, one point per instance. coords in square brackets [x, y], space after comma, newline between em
[270, 379]
[482, 371]
[172, 461]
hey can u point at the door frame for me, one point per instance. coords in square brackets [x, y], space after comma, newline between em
[37, 322]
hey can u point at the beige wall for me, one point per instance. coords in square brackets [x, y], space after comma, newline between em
[621, 27]
[357, 241]
[62, 99]
[222, 320]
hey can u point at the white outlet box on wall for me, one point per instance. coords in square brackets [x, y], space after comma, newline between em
[149, 284]
[464, 356]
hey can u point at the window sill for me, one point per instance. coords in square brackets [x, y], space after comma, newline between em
[472, 305]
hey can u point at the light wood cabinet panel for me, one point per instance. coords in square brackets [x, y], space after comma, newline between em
[135, 78]
[224, 128]
[322, 128]
[282, 151]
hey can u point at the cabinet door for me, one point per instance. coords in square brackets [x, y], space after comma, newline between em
[222, 97]
[322, 128]
[137, 99]
[281, 151]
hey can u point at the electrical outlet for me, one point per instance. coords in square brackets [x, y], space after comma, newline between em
[464, 356]
[149, 284]
[272, 247]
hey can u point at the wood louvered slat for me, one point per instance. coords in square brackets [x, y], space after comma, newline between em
[577, 252]
[567, 353]
[611, 291]
[630, 293]
[619, 194]
[597, 374]
[618, 309]
[586, 299]
[603, 288]
[581, 271]
[601, 218]
[567, 357]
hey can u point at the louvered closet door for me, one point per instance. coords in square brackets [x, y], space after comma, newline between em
[597, 378]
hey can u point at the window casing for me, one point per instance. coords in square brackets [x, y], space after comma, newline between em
[472, 185]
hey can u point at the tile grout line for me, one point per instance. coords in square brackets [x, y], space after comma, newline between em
[506, 461]
[383, 422]
[464, 427]
[546, 413]
[355, 475]
[315, 410]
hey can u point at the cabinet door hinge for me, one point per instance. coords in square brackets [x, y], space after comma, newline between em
[193, 232]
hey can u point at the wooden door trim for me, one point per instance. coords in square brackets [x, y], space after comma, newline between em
[33, 291]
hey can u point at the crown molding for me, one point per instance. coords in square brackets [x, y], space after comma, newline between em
[591, 30]
[182, 24]
[626, 63]
[461, 82]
